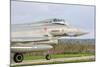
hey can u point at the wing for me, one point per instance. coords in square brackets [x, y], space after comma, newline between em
[21, 33]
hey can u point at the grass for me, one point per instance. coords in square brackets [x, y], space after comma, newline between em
[31, 57]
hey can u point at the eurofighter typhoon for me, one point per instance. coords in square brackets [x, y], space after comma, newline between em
[39, 36]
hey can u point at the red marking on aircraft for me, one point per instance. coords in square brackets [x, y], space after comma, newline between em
[45, 29]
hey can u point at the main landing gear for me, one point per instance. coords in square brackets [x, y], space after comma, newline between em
[18, 57]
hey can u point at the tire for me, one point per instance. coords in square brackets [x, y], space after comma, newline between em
[18, 57]
[48, 57]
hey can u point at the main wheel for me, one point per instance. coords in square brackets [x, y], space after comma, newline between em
[18, 57]
[48, 57]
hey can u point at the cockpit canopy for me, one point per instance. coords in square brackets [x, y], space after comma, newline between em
[57, 21]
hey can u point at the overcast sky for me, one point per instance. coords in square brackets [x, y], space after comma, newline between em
[77, 15]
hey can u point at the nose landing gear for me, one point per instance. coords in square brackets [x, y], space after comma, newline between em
[48, 57]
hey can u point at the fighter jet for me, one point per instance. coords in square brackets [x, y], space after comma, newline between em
[38, 36]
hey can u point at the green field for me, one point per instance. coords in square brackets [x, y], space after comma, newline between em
[31, 57]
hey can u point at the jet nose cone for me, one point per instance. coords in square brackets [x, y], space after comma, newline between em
[75, 32]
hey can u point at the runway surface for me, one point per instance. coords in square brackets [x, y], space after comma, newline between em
[44, 61]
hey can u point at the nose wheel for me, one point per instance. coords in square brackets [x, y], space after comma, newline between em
[48, 57]
[18, 57]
